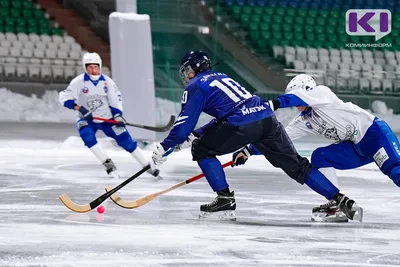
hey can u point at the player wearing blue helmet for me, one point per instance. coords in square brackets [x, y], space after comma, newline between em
[240, 119]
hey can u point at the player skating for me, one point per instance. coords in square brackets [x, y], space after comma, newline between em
[95, 94]
[360, 137]
[240, 119]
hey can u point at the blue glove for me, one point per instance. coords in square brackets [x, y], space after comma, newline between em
[240, 157]
[85, 113]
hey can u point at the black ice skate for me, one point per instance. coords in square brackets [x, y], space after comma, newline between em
[328, 212]
[349, 207]
[155, 173]
[224, 202]
[110, 168]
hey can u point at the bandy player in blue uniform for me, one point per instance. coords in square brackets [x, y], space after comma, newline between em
[240, 119]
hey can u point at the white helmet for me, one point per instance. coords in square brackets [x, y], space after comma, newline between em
[301, 81]
[92, 58]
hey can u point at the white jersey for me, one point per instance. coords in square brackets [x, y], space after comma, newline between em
[99, 98]
[328, 116]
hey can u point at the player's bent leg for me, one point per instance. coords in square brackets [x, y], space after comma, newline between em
[215, 175]
[381, 145]
[221, 139]
[279, 151]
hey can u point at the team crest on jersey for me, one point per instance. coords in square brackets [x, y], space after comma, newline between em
[105, 89]
[85, 90]
[308, 124]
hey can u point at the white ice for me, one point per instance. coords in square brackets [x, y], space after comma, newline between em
[273, 226]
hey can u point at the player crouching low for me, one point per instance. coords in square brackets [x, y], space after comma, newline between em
[360, 137]
[95, 94]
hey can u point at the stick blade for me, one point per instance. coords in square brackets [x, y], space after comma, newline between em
[73, 206]
[121, 202]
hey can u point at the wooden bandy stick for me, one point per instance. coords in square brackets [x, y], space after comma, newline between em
[146, 199]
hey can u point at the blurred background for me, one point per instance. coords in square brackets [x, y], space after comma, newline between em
[259, 43]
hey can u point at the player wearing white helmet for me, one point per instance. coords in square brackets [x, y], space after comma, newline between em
[94, 94]
[359, 137]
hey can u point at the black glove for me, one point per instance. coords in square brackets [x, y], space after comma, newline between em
[120, 119]
[85, 113]
[240, 157]
[273, 104]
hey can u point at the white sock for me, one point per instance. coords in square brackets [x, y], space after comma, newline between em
[139, 157]
[99, 153]
[330, 173]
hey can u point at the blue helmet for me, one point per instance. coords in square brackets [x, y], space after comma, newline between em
[193, 62]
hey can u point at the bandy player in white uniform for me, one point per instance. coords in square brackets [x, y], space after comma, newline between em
[360, 137]
[95, 94]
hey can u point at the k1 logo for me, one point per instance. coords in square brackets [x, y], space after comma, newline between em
[369, 22]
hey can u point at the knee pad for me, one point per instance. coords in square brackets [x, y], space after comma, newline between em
[88, 136]
[395, 175]
[318, 158]
[199, 151]
[125, 141]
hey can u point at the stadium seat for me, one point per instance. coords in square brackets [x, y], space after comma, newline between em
[298, 65]
[387, 86]
[64, 47]
[33, 73]
[333, 66]
[322, 66]
[364, 85]
[41, 46]
[309, 65]
[34, 37]
[355, 67]
[376, 86]
[45, 73]
[330, 82]
[22, 72]
[6, 44]
[52, 46]
[396, 86]
[289, 58]
[29, 45]
[69, 73]
[9, 72]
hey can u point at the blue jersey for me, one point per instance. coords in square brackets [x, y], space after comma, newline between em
[219, 96]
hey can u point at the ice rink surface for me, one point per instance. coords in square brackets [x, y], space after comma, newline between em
[273, 226]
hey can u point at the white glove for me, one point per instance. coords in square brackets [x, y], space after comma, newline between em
[240, 157]
[186, 144]
[157, 157]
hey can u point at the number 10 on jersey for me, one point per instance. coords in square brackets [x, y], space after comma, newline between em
[232, 89]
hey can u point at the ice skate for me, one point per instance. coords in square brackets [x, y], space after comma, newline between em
[110, 168]
[349, 207]
[155, 173]
[223, 206]
[328, 212]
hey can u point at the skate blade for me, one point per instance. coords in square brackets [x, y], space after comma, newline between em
[359, 213]
[228, 215]
[323, 217]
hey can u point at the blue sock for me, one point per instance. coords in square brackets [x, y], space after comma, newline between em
[214, 173]
[320, 184]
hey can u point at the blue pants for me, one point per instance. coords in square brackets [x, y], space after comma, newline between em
[379, 144]
[119, 134]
